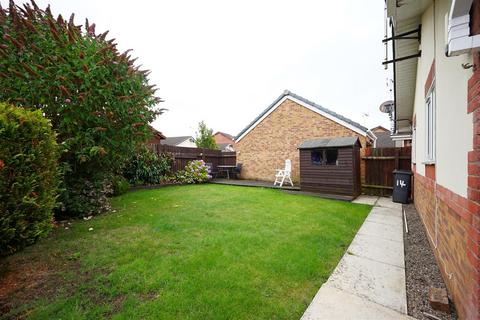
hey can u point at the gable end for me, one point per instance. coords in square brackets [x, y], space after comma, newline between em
[306, 104]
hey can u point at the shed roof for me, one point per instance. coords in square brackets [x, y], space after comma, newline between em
[329, 143]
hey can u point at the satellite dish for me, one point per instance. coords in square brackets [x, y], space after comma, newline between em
[387, 106]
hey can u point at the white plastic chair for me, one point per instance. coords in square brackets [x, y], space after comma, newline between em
[284, 174]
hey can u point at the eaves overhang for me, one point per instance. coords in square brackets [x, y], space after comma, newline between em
[405, 18]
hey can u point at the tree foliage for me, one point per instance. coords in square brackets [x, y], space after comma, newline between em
[204, 137]
[28, 177]
[98, 100]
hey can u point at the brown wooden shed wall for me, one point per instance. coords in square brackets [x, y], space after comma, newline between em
[342, 179]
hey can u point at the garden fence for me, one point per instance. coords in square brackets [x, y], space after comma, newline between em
[379, 166]
[183, 155]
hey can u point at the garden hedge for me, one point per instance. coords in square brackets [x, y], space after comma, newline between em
[28, 177]
[146, 167]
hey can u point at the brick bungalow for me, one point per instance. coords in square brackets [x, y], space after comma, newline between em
[436, 68]
[224, 141]
[222, 137]
[276, 133]
[157, 136]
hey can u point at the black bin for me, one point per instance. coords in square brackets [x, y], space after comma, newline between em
[401, 185]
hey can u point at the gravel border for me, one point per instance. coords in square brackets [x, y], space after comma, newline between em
[421, 269]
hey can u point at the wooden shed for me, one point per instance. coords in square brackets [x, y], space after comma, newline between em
[331, 167]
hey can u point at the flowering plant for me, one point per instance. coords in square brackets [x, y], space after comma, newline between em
[195, 172]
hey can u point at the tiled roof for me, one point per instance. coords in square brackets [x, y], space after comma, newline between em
[306, 101]
[173, 141]
[225, 134]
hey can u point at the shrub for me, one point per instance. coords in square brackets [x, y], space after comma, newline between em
[195, 172]
[28, 177]
[98, 101]
[146, 167]
[120, 185]
[85, 197]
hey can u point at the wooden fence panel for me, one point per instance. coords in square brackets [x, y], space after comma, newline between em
[183, 155]
[379, 166]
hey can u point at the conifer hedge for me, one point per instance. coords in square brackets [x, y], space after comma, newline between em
[28, 177]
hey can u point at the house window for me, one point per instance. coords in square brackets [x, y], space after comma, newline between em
[430, 130]
[325, 157]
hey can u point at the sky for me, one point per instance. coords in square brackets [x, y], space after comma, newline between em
[224, 62]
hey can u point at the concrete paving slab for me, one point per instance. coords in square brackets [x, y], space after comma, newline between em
[385, 251]
[365, 199]
[393, 220]
[332, 303]
[388, 211]
[382, 231]
[375, 281]
[387, 203]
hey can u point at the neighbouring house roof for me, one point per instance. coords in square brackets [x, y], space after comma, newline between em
[329, 143]
[225, 134]
[355, 126]
[384, 140]
[173, 141]
[379, 129]
[157, 133]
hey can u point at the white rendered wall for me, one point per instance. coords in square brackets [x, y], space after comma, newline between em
[423, 68]
[454, 125]
[454, 134]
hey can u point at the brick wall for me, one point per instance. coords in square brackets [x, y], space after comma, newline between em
[447, 220]
[277, 137]
[220, 138]
[473, 213]
[154, 140]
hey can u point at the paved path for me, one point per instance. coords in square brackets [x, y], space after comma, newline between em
[369, 281]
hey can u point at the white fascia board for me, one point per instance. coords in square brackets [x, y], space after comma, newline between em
[310, 107]
[401, 137]
[373, 136]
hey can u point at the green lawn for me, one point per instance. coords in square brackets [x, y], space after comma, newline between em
[184, 252]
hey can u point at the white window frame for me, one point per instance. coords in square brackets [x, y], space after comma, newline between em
[430, 125]
[414, 145]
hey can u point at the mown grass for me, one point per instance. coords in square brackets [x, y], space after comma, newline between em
[185, 252]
